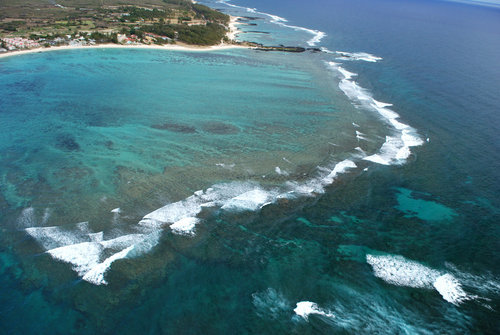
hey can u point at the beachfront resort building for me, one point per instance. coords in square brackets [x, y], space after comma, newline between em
[13, 43]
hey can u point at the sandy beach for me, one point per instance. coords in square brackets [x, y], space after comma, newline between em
[231, 34]
[233, 29]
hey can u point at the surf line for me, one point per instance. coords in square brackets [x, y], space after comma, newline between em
[278, 20]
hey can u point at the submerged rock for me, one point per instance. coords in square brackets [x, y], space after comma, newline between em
[67, 142]
[220, 128]
[175, 127]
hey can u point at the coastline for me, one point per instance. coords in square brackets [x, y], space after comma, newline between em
[171, 47]
[233, 30]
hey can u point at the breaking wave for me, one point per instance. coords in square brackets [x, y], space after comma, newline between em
[306, 308]
[396, 148]
[317, 35]
[397, 270]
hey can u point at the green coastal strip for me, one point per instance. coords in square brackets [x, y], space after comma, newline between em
[32, 24]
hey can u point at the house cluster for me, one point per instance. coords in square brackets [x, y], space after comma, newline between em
[124, 39]
[13, 43]
[18, 43]
[150, 38]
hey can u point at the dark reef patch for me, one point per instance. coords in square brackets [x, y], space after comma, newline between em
[109, 144]
[67, 142]
[175, 127]
[220, 128]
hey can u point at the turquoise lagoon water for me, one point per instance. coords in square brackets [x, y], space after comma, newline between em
[249, 192]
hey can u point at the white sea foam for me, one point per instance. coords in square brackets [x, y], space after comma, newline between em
[145, 245]
[77, 245]
[181, 216]
[317, 35]
[83, 256]
[54, 237]
[96, 274]
[450, 289]
[362, 153]
[341, 167]
[392, 149]
[122, 242]
[251, 200]
[96, 237]
[184, 226]
[347, 75]
[400, 271]
[173, 212]
[280, 172]
[358, 56]
[361, 136]
[306, 308]
[316, 185]
[46, 216]
[226, 166]
[396, 148]
[485, 283]
[230, 196]
[397, 270]
[27, 218]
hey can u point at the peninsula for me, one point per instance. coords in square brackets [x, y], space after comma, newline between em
[26, 25]
[35, 26]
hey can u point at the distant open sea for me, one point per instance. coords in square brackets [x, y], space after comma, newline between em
[350, 189]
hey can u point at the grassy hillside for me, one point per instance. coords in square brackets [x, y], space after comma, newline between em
[183, 20]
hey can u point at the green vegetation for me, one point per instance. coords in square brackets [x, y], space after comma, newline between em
[179, 20]
[209, 14]
[12, 25]
[137, 14]
[209, 34]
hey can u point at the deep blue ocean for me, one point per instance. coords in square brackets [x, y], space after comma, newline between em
[349, 189]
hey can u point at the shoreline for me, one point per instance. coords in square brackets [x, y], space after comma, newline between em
[233, 29]
[170, 47]
[231, 34]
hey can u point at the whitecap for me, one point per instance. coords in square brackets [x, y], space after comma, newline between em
[397, 270]
[95, 275]
[26, 218]
[46, 216]
[306, 308]
[96, 237]
[450, 289]
[122, 242]
[396, 148]
[280, 172]
[54, 237]
[339, 168]
[361, 136]
[400, 271]
[184, 226]
[251, 200]
[317, 35]
[226, 166]
[364, 56]
[83, 256]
